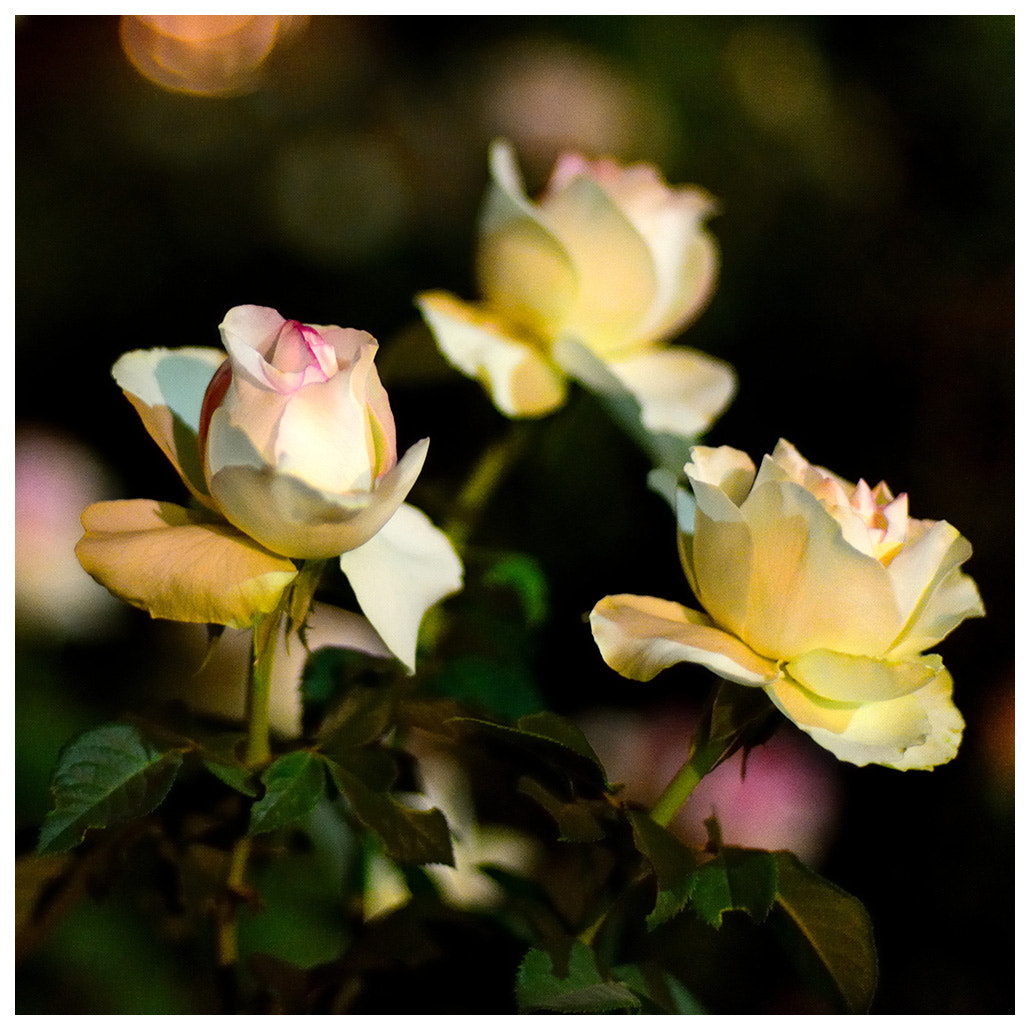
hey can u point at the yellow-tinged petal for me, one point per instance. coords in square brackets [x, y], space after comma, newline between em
[521, 380]
[523, 270]
[930, 587]
[640, 636]
[166, 387]
[809, 588]
[857, 679]
[918, 731]
[680, 390]
[177, 564]
[617, 279]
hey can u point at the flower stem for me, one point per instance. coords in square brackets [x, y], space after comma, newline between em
[491, 468]
[703, 758]
[265, 635]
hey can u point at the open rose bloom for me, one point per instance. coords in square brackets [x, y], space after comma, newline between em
[288, 444]
[822, 593]
[589, 283]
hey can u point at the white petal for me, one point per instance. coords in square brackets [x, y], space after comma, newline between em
[520, 379]
[640, 636]
[399, 574]
[680, 390]
[167, 389]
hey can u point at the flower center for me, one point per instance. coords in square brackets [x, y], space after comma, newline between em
[300, 348]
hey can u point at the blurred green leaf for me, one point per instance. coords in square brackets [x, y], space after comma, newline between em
[294, 784]
[827, 931]
[522, 574]
[661, 988]
[109, 775]
[578, 820]
[363, 716]
[408, 835]
[239, 777]
[581, 990]
[504, 688]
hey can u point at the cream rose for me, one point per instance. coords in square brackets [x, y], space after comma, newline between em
[297, 436]
[589, 282]
[289, 445]
[823, 593]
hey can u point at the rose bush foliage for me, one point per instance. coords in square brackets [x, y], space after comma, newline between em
[289, 446]
[824, 593]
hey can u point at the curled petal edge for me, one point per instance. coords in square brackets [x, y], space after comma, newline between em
[641, 636]
[520, 379]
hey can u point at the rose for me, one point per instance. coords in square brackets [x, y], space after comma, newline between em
[289, 444]
[588, 283]
[297, 436]
[823, 593]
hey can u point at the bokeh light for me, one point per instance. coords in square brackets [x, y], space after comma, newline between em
[205, 54]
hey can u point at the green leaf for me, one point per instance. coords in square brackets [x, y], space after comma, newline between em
[239, 777]
[362, 717]
[674, 864]
[736, 879]
[578, 820]
[408, 835]
[294, 784]
[503, 687]
[561, 731]
[523, 575]
[107, 776]
[582, 989]
[661, 989]
[828, 932]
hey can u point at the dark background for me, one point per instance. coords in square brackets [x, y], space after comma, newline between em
[865, 168]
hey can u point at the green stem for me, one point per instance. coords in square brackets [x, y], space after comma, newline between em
[265, 635]
[493, 465]
[703, 759]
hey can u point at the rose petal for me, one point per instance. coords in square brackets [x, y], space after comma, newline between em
[857, 679]
[289, 517]
[166, 387]
[929, 585]
[521, 381]
[686, 260]
[399, 574]
[617, 281]
[640, 636]
[523, 270]
[918, 731]
[809, 589]
[680, 390]
[176, 564]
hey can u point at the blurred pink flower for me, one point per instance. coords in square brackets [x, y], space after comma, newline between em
[55, 478]
[787, 800]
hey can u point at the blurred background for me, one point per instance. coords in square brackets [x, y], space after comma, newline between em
[330, 167]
